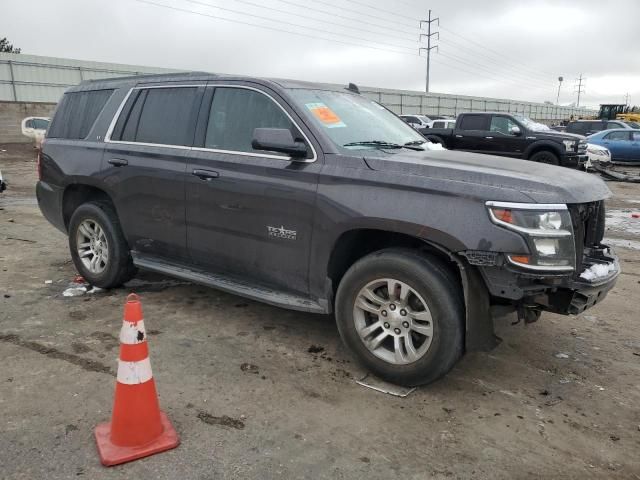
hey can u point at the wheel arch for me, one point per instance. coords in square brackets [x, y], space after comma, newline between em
[543, 146]
[351, 246]
[76, 194]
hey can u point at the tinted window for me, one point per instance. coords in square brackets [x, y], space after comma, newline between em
[502, 125]
[438, 125]
[160, 115]
[617, 136]
[235, 113]
[474, 122]
[77, 113]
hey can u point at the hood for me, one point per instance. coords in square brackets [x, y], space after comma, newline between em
[559, 136]
[542, 183]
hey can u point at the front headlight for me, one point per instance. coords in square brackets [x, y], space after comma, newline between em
[570, 145]
[547, 230]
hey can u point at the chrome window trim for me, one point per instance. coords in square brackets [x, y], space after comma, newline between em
[112, 125]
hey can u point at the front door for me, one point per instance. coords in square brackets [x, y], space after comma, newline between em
[249, 212]
[501, 140]
[619, 144]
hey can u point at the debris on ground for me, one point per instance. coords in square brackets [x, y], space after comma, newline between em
[224, 420]
[249, 368]
[315, 349]
[561, 355]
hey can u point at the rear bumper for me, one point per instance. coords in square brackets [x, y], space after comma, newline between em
[50, 203]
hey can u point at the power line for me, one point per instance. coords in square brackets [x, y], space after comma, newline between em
[580, 88]
[282, 22]
[500, 54]
[492, 71]
[390, 12]
[266, 27]
[429, 47]
[408, 38]
[492, 59]
[367, 14]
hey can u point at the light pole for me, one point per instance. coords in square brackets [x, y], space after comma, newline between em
[560, 79]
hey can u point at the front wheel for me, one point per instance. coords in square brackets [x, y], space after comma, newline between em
[402, 313]
[545, 157]
[98, 247]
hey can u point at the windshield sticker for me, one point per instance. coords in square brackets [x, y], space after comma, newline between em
[327, 116]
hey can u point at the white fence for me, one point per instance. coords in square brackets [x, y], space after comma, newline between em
[31, 78]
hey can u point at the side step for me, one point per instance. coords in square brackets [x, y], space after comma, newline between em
[229, 284]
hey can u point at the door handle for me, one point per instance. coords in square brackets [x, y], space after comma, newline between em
[205, 174]
[459, 136]
[118, 162]
[489, 138]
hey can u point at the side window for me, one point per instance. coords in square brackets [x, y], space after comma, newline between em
[77, 113]
[502, 125]
[617, 136]
[164, 116]
[438, 124]
[614, 125]
[475, 122]
[235, 113]
[635, 136]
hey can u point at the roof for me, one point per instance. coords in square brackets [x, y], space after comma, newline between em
[204, 76]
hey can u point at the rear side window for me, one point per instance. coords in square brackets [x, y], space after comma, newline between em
[438, 125]
[77, 113]
[164, 116]
[475, 122]
[236, 113]
[617, 136]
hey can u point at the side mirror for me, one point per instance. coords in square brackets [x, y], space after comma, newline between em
[278, 140]
[515, 131]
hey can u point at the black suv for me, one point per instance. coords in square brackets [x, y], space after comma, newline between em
[317, 199]
[511, 135]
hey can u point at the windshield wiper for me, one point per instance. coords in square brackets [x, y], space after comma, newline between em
[415, 143]
[382, 144]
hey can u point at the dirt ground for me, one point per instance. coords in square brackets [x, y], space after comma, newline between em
[260, 392]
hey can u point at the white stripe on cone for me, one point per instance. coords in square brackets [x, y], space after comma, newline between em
[133, 373]
[133, 333]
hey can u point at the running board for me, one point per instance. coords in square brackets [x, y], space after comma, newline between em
[228, 284]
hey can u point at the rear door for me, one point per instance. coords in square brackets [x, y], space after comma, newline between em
[146, 156]
[471, 132]
[249, 212]
[619, 144]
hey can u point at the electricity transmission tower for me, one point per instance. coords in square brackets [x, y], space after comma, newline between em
[429, 47]
[579, 88]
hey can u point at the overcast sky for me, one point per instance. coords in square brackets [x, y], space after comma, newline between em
[498, 48]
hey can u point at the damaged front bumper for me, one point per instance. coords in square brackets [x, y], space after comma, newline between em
[566, 294]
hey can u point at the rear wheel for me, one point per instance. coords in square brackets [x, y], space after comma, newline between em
[401, 313]
[545, 156]
[98, 248]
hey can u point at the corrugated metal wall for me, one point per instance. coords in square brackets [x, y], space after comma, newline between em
[31, 78]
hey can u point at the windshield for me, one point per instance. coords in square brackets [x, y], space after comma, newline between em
[353, 121]
[530, 124]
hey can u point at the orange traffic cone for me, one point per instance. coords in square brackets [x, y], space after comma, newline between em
[138, 428]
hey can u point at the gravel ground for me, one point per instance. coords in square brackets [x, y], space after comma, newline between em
[259, 392]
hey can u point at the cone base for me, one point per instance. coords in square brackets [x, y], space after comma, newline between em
[111, 454]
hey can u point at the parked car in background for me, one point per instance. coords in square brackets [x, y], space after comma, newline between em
[510, 135]
[417, 121]
[3, 184]
[597, 154]
[589, 127]
[442, 123]
[315, 198]
[624, 144]
[35, 128]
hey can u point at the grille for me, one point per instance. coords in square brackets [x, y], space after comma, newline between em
[588, 227]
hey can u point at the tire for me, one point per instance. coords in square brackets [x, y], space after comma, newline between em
[431, 284]
[115, 265]
[545, 156]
